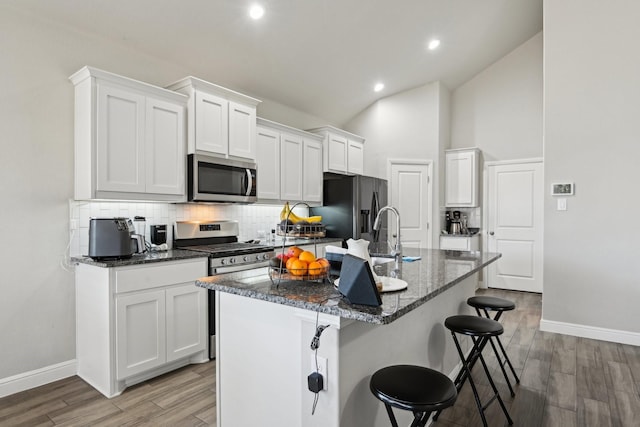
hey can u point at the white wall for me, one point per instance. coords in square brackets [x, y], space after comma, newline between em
[36, 170]
[592, 132]
[407, 125]
[37, 308]
[500, 109]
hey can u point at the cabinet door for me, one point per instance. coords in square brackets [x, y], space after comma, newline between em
[355, 158]
[211, 120]
[120, 140]
[186, 320]
[140, 332]
[165, 150]
[290, 167]
[242, 131]
[461, 179]
[268, 161]
[312, 170]
[336, 154]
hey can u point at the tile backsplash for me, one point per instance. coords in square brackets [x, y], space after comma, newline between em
[251, 218]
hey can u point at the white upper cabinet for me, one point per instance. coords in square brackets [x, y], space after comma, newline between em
[129, 139]
[210, 130]
[343, 152]
[462, 174]
[312, 167]
[268, 162]
[290, 167]
[289, 164]
[355, 158]
[221, 122]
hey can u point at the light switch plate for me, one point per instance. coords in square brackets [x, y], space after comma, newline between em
[562, 204]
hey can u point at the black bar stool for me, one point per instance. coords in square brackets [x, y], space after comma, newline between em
[499, 305]
[413, 388]
[480, 330]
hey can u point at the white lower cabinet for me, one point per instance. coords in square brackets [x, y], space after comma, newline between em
[140, 332]
[136, 322]
[460, 243]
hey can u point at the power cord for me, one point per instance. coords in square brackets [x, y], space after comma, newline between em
[315, 380]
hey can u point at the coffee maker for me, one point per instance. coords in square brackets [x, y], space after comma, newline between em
[455, 222]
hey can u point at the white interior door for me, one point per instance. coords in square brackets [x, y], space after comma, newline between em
[514, 225]
[410, 193]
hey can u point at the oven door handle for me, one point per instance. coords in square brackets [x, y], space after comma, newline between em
[235, 268]
[249, 182]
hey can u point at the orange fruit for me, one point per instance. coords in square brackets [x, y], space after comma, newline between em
[324, 262]
[307, 256]
[294, 251]
[290, 262]
[298, 267]
[315, 268]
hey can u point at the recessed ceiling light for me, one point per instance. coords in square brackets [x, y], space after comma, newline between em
[378, 87]
[256, 11]
[434, 44]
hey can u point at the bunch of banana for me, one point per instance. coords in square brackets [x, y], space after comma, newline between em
[287, 213]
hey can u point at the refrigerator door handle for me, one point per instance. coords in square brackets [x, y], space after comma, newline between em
[375, 208]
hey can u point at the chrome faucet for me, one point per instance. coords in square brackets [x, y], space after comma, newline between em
[397, 249]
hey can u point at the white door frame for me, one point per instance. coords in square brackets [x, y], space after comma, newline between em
[485, 199]
[429, 164]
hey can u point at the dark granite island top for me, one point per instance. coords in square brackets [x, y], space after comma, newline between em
[434, 273]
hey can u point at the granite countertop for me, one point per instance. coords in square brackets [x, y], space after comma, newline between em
[434, 273]
[145, 258]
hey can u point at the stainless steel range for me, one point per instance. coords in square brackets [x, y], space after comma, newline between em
[219, 239]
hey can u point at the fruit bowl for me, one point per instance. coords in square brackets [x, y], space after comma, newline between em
[301, 230]
[318, 274]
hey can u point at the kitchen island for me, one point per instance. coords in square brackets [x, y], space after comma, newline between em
[264, 332]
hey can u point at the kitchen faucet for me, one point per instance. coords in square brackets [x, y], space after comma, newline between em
[397, 249]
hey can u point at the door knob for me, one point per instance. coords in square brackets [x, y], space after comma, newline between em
[491, 233]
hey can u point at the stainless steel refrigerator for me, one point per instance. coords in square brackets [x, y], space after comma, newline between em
[350, 206]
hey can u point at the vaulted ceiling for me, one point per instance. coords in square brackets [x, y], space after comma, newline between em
[322, 57]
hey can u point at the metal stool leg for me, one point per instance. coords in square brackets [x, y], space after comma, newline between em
[495, 390]
[392, 417]
[467, 364]
[506, 359]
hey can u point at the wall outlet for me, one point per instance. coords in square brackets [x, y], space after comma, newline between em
[322, 369]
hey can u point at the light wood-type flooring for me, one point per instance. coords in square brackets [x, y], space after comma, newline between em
[565, 381]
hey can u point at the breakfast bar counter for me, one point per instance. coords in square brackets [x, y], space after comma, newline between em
[264, 331]
[435, 272]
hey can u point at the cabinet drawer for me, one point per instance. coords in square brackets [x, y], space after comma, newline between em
[454, 243]
[163, 274]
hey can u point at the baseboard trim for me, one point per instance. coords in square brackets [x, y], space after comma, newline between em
[37, 377]
[592, 332]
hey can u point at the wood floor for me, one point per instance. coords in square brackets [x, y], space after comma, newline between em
[565, 381]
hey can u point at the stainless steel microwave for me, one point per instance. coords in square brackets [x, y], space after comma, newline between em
[212, 179]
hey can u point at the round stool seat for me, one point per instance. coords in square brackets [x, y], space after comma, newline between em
[473, 325]
[491, 303]
[413, 388]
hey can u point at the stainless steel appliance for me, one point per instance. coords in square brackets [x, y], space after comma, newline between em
[219, 239]
[351, 204]
[213, 179]
[111, 238]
